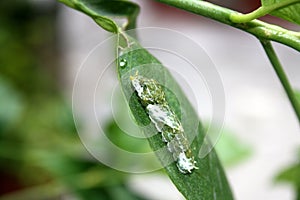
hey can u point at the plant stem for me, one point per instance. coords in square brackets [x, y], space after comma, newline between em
[255, 27]
[261, 11]
[281, 75]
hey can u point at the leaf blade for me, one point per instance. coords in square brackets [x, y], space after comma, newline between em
[106, 12]
[207, 182]
[290, 13]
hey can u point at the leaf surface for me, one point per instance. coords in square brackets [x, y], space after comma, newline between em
[106, 13]
[207, 182]
[290, 13]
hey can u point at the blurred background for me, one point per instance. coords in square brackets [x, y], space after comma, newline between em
[43, 44]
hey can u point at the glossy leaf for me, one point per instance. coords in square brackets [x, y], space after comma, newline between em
[106, 13]
[207, 182]
[290, 13]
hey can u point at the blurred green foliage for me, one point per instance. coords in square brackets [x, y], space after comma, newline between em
[41, 155]
[291, 174]
[231, 150]
[297, 95]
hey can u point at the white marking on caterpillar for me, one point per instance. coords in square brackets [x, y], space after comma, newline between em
[152, 97]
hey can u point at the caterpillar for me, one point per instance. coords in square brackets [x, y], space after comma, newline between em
[153, 99]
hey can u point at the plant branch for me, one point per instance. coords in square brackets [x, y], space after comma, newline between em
[281, 75]
[261, 11]
[255, 27]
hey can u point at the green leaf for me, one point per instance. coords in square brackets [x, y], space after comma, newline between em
[231, 150]
[290, 13]
[106, 13]
[291, 175]
[297, 93]
[207, 182]
[11, 105]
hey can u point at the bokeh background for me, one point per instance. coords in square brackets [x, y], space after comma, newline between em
[43, 44]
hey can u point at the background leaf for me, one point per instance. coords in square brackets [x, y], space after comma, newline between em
[231, 150]
[297, 95]
[207, 182]
[291, 175]
[107, 13]
[41, 154]
[11, 105]
[290, 13]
